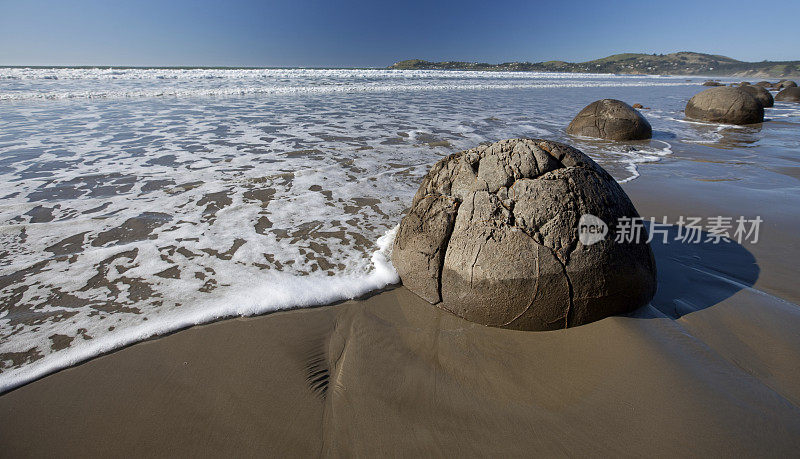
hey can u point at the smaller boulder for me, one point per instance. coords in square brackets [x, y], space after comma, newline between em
[761, 95]
[610, 119]
[712, 83]
[783, 84]
[790, 94]
[725, 105]
[638, 106]
[764, 84]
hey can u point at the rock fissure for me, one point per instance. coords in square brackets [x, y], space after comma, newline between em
[512, 210]
[571, 291]
[444, 245]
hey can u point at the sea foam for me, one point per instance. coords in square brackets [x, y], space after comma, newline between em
[64, 83]
[280, 292]
[125, 218]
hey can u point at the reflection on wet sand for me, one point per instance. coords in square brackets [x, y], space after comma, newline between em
[116, 213]
[393, 373]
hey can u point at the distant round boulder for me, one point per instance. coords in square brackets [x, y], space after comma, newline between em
[783, 84]
[791, 94]
[610, 119]
[725, 105]
[712, 83]
[760, 94]
[493, 236]
[637, 106]
[764, 84]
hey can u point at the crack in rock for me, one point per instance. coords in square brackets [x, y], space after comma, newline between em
[492, 236]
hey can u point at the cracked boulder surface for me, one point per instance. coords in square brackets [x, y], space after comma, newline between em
[492, 236]
[610, 119]
[727, 105]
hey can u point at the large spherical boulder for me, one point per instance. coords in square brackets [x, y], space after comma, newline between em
[760, 94]
[725, 105]
[492, 236]
[790, 94]
[610, 119]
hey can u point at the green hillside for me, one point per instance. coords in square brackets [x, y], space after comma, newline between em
[682, 63]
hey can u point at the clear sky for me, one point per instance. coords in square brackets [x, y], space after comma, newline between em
[362, 33]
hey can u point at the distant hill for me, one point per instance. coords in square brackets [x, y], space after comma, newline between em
[682, 63]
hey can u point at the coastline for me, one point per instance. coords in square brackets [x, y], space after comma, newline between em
[105, 308]
[716, 373]
[303, 229]
[309, 293]
[677, 63]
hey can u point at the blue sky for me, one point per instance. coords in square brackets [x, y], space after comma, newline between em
[354, 33]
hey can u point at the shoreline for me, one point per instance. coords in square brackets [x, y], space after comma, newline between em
[110, 344]
[314, 295]
[638, 184]
[108, 305]
[57, 368]
[254, 385]
[391, 371]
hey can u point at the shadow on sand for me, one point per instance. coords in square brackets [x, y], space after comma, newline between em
[695, 276]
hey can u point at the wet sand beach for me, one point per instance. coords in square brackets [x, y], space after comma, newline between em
[711, 367]
[307, 229]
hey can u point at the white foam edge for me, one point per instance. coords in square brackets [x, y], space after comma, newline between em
[294, 292]
[719, 126]
[281, 90]
[631, 162]
[651, 157]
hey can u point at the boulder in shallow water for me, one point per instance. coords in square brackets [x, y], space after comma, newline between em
[783, 84]
[610, 119]
[492, 236]
[712, 83]
[760, 94]
[790, 94]
[725, 105]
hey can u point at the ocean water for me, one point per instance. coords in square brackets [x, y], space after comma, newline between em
[137, 202]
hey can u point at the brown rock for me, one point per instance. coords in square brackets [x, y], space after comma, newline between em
[638, 106]
[760, 94]
[725, 105]
[492, 236]
[610, 119]
[790, 94]
[712, 83]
